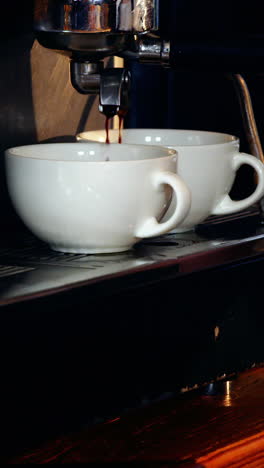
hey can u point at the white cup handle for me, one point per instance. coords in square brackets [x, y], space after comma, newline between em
[151, 227]
[227, 205]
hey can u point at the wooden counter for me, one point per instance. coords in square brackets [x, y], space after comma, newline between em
[220, 425]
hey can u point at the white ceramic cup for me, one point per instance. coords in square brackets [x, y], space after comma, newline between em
[207, 162]
[95, 198]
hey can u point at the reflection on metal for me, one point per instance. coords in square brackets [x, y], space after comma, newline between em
[114, 91]
[151, 49]
[94, 28]
[227, 402]
[47, 272]
[96, 16]
[118, 62]
[85, 76]
[113, 84]
[249, 121]
[9, 270]
[145, 17]
[216, 333]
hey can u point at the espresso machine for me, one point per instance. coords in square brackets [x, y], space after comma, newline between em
[85, 338]
[155, 33]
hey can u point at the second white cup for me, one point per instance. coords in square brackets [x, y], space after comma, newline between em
[207, 162]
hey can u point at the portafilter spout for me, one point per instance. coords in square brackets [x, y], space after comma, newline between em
[114, 92]
[112, 85]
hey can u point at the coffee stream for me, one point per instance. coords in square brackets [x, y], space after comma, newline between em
[107, 121]
[121, 114]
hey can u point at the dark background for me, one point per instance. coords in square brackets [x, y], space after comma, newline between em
[52, 353]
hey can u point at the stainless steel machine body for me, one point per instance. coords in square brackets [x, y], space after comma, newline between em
[90, 30]
[93, 28]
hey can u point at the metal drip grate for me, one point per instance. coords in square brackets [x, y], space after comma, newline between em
[28, 266]
[9, 270]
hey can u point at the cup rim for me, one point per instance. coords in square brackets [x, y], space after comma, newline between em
[14, 151]
[232, 138]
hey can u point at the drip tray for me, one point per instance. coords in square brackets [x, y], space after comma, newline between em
[29, 268]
